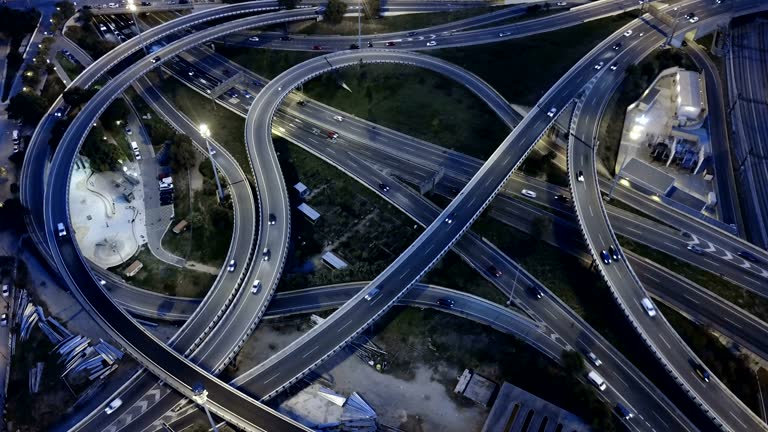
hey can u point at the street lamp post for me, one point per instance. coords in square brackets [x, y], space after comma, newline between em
[205, 132]
[674, 26]
[132, 8]
[200, 397]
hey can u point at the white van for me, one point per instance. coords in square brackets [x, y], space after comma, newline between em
[596, 380]
[648, 306]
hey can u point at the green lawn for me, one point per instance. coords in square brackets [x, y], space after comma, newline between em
[166, 279]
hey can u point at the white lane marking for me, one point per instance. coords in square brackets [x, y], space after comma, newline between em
[657, 416]
[342, 327]
[691, 298]
[672, 245]
[665, 341]
[652, 278]
[737, 419]
[731, 321]
[310, 351]
[590, 211]
[273, 377]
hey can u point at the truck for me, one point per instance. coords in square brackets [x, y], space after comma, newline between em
[596, 380]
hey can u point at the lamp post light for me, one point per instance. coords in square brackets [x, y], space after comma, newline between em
[200, 397]
[205, 132]
[132, 8]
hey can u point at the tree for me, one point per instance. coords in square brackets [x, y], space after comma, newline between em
[27, 107]
[334, 11]
[12, 214]
[102, 154]
[288, 4]
[182, 153]
[116, 111]
[76, 96]
[573, 363]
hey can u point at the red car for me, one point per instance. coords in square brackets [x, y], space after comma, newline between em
[332, 135]
[390, 43]
[317, 47]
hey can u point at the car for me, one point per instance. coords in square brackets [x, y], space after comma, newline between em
[718, 1]
[266, 254]
[302, 102]
[580, 176]
[431, 43]
[700, 370]
[494, 271]
[504, 34]
[449, 219]
[690, 15]
[338, 118]
[256, 287]
[285, 38]
[370, 44]
[333, 135]
[59, 112]
[593, 359]
[552, 111]
[535, 292]
[747, 256]
[445, 302]
[354, 46]
[6, 290]
[317, 47]
[212, 151]
[561, 4]
[562, 198]
[253, 39]
[190, 72]
[231, 266]
[372, 293]
[605, 256]
[102, 27]
[272, 219]
[61, 230]
[102, 282]
[622, 411]
[411, 33]
[614, 66]
[599, 65]
[383, 187]
[155, 59]
[694, 20]
[695, 249]
[113, 406]
[390, 43]
[528, 193]
[4, 320]
[614, 253]
[316, 131]
[628, 33]
[247, 94]
[650, 309]
[617, 46]
[128, 131]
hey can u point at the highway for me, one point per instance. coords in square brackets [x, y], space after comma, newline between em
[719, 403]
[747, 88]
[156, 356]
[449, 240]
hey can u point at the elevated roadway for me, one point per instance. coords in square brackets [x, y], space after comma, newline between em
[725, 409]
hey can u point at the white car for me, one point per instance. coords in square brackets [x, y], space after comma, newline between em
[599, 65]
[231, 266]
[552, 111]
[4, 320]
[256, 287]
[60, 228]
[694, 20]
[253, 38]
[6, 290]
[431, 43]
[628, 33]
[338, 118]
[504, 34]
[528, 193]
[113, 406]
[212, 151]
[561, 4]
[648, 306]
[102, 282]
[580, 177]
[593, 359]
[128, 131]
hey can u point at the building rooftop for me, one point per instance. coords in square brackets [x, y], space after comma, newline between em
[475, 387]
[647, 176]
[334, 261]
[309, 212]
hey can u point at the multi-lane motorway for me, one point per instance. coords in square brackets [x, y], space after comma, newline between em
[482, 186]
